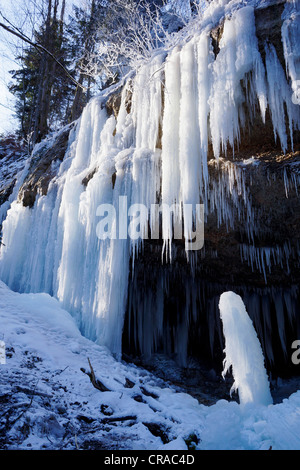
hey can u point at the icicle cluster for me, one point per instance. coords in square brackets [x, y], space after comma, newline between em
[156, 151]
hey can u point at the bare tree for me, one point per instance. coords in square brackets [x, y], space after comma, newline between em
[134, 30]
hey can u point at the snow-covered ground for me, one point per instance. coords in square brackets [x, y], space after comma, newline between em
[47, 400]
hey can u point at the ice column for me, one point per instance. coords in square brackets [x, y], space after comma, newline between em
[243, 352]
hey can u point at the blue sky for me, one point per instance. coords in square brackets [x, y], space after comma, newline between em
[14, 10]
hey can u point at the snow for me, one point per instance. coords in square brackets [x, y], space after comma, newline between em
[45, 353]
[243, 352]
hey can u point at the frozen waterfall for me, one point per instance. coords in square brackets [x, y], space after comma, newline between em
[154, 151]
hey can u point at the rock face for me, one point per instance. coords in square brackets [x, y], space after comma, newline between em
[12, 158]
[43, 168]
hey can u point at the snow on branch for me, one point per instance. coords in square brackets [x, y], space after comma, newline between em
[132, 34]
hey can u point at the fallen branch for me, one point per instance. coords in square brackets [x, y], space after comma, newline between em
[95, 382]
[27, 391]
[112, 419]
[148, 394]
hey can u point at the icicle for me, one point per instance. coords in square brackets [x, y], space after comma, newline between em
[189, 138]
[205, 59]
[262, 257]
[290, 38]
[237, 57]
[276, 100]
[170, 185]
[146, 103]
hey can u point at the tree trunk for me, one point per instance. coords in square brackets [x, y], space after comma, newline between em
[40, 120]
[76, 107]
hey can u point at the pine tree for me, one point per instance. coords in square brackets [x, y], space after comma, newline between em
[40, 86]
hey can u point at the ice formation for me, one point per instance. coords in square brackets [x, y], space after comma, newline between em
[243, 352]
[157, 151]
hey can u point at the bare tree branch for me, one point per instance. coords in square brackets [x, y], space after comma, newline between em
[40, 48]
